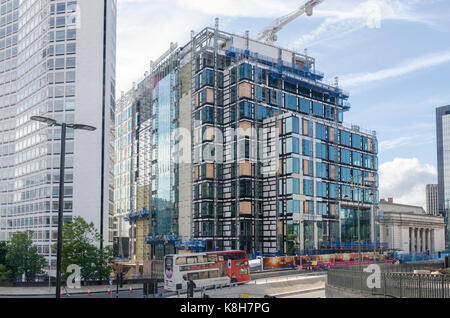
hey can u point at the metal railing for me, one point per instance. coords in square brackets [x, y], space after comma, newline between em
[398, 281]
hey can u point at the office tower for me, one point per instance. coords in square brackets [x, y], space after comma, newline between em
[443, 160]
[432, 199]
[58, 61]
[248, 151]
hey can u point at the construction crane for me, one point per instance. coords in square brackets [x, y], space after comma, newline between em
[269, 34]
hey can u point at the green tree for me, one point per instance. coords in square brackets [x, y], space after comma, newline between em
[5, 272]
[80, 240]
[23, 258]
[3, 251]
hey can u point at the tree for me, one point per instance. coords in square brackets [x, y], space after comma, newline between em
[23, 258]
[3, 251]
[5, 272]
[80, 240]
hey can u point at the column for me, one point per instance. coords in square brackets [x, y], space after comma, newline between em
[421, 241]
[415, 240]
[410, 240]
[430, 248]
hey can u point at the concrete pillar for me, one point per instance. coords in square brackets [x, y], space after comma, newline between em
[432, 241]
[410, 242]
[415, 240]
[429, 241]
[421, 241]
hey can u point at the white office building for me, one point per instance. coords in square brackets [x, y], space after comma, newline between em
[57, 60]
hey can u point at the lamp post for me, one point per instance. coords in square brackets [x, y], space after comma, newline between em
[52, 123]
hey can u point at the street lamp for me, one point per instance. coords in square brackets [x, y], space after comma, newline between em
[51, 123]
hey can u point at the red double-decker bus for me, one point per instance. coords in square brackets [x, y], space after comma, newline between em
[205, 269]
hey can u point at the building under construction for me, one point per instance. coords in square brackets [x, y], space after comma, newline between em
[240, 144]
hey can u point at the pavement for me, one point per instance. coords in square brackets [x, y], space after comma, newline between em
[46, 291]
[285, 286]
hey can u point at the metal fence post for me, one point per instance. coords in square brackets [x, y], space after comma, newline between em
[420, 286]
[401, 287]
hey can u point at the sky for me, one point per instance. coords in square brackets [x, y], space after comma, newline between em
[393, 56]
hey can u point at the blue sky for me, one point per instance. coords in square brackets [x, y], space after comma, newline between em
[392, 56]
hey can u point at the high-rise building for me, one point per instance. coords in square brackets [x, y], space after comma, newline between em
[241, 145]
[57, 59]
[432, 199]
[443, 160]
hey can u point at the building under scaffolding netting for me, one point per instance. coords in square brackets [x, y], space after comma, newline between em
[241, 145]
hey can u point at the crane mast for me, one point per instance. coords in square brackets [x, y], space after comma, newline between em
[269, 34]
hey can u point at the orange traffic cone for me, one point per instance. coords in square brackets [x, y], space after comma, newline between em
[89, 292]
[62, 293]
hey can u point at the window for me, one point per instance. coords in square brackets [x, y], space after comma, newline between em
[290, 102]
[274, 81]
[333, 191]
[357, 159]
[60, 35]
[293, 206]
[356, 141]
[317, 109]
[305, 106]
[292, 125]
[245, 110]
[292, 165]
[308, 187]
[321, 151]
[70, 62]
[290, 87]
[332, 153]
[245, 71]
[292, 145]
[321, 189]
[345, 174]
[345, 156]
[321, 131]
[322, 208]
[306, 147]
[321, 170]
[71, 34]
[345, 138]
[293, 186]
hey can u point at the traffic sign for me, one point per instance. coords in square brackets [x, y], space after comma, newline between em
[229, 263]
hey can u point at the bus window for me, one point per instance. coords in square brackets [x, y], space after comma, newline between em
[203, 275]
[213, 274]
[212, 258]
[201, 259]
[223, 270]
[221, 259]
[193, 276]
[181, 261]
[191, 260]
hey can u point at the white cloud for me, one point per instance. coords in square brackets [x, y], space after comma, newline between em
[145, 30]
[351, 16]
[404, 68]
[405, 180]
[239, 8]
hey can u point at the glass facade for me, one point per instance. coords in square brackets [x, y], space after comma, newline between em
[443, 160]
[236, 97]
[38, 67]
